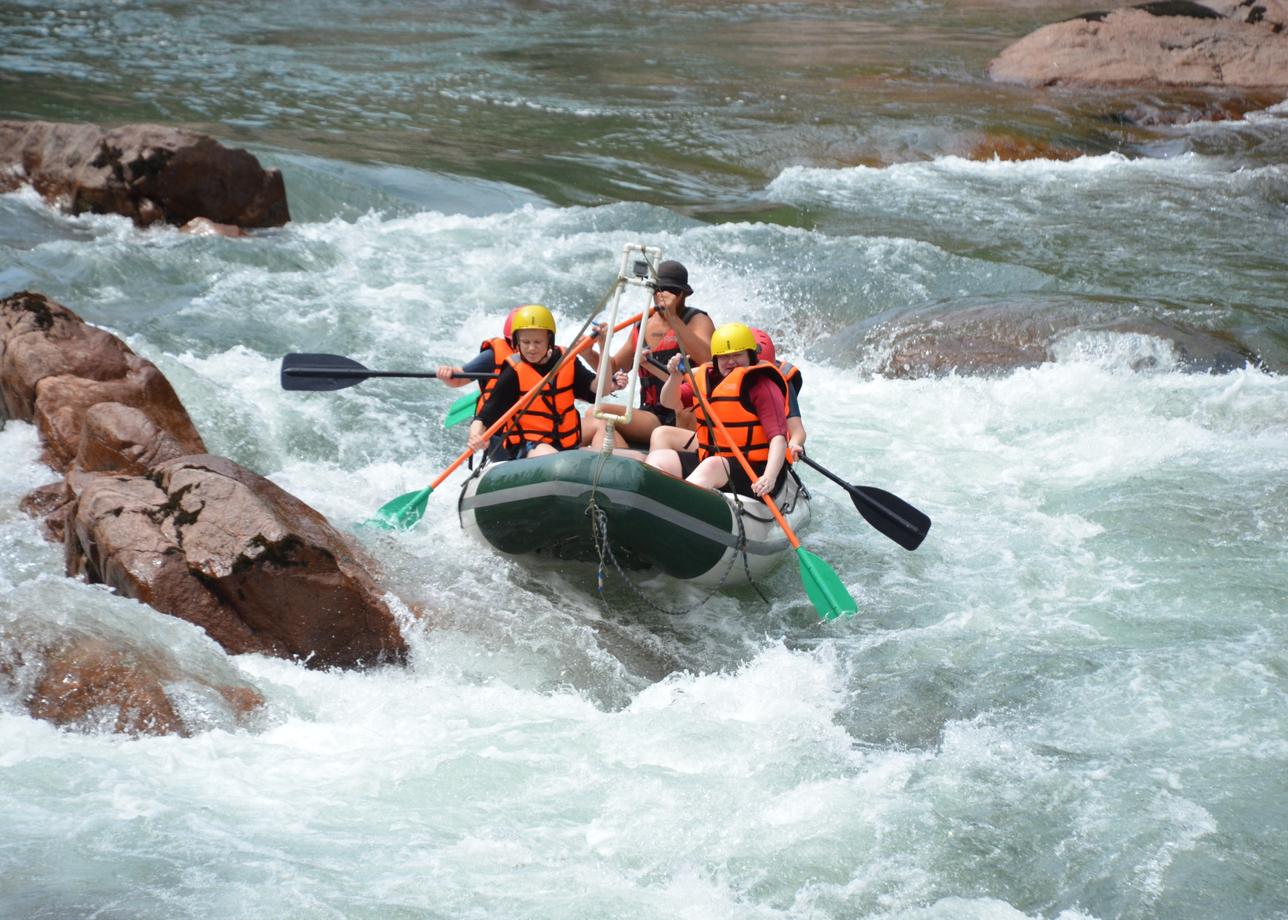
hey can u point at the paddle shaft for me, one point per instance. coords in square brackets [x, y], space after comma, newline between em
[527, 398]
[341, 373]
[914, 531]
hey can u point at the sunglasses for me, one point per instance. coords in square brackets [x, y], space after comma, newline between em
[669, 290]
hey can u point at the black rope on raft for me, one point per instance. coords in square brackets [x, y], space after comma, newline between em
[604, 549]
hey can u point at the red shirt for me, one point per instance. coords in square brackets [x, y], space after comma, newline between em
[764, 397]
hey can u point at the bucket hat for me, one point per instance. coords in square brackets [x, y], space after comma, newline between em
[671, 274]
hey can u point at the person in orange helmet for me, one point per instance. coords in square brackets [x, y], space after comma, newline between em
[491, 358]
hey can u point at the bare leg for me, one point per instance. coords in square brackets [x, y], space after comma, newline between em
[712, 473]
[668, 461]
[669, 436]
[540, 450]
[637, 431]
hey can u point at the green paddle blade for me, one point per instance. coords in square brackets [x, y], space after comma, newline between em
[461, 411]
[402, 513]
[829, 596]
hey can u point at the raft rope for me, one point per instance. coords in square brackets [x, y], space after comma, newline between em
[603, 546]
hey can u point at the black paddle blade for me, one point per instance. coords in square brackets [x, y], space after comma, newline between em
[888, 513]
[320, 372]
[891, 515]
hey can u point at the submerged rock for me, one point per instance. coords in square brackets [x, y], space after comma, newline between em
[90, 684]
[996, 338]
[1174, 43]
[149, 173]
[91, 670]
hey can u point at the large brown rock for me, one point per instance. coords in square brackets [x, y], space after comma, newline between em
[209, 541]
[149, 173]
[1173, 43]
[55, 368]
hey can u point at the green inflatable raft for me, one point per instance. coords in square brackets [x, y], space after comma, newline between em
[564, 505]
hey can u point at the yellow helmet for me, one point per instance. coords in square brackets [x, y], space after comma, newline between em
[732, 337]
[532, 316]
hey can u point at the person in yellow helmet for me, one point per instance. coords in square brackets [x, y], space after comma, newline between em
[686, 438]
[750, 397]
[550, 422]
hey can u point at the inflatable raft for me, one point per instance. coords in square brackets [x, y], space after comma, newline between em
[567, 505]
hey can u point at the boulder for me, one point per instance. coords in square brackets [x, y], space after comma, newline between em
[209, 541]
[1173, 43]
[149, 173]
[54, 368]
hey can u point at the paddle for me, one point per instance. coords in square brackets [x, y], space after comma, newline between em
[461, 411]
[888, 513]
[822, 585]
[335, 372]
[407, 509]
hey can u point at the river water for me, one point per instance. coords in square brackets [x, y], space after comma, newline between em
[1069, 702]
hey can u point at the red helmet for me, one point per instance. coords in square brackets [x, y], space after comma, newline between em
[765, 345]
[507, 330]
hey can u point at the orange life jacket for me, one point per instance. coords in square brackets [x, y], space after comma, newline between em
[552, 416]
[730, 402]
[792, 374]
[501, 351]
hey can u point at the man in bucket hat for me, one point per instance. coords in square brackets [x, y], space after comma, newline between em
[673, 328]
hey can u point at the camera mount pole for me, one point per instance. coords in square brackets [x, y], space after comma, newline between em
[638, 269]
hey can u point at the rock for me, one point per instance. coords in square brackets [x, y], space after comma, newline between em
[144, 509]
[997, 338]
[1013, 148]
[149, 173]
[40, 338]
[54, 368]
[62, 404]
[90, 684]
[116, 438]
[209, 541]
[51, 503]
[109, 671]
[1175, 43]
[204, 226]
